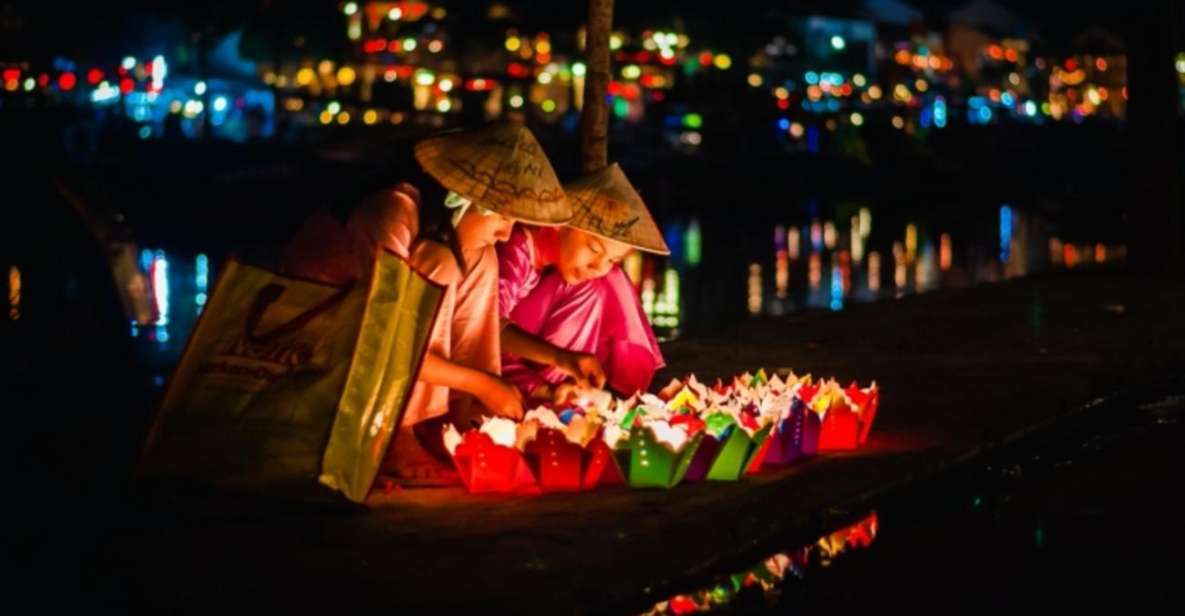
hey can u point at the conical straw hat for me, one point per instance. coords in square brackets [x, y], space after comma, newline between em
[500, 167]
[607, 205]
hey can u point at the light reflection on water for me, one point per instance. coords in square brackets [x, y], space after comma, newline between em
[14, 292]
[819, 264]
[178, 288]
[824, 264]
[769, 577]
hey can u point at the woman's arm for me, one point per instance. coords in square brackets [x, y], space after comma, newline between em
[582, 367]
[495, 394]
[518, 342]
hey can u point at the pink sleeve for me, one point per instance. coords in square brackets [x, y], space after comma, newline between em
[515, 272]
[516, 278]
[516, 372]
[389, 219]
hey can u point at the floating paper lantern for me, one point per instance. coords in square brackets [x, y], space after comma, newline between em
[728, 448]
[488, 459]
[567, 453]
[795, 436]
[656, 455]
[688, 431]
[561, 465]
[845, 422]
[865, 401]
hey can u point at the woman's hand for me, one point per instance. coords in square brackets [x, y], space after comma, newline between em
[501, 398]
[496, 395]
[566, 391]
[585, 369]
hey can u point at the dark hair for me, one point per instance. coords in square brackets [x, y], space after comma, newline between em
[435, 219]
[401, 166]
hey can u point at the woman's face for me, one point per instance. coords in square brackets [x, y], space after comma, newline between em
[584, 256]
[481, 229]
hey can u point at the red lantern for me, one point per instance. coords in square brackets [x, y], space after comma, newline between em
[561, 465]
[846, 426]
[485, 466]
[807, 392]
[840, 429]
[866, 401]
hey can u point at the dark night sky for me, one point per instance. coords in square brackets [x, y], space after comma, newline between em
[85, 29]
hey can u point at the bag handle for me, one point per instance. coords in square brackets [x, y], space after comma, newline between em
[272, 292]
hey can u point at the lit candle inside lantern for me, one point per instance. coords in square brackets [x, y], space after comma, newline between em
[502, 431]
[664, 433]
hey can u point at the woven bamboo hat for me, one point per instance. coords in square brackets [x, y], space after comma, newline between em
[607, 205]
[500, 167]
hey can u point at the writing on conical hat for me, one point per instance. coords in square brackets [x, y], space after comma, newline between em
[502, 167]
[607, 205]
[604, 216]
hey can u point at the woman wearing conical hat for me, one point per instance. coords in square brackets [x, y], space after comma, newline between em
[572, 316]
[486, 180]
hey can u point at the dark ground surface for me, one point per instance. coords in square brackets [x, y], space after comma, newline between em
[1094, 526]
[1077, 516]
[961, 371]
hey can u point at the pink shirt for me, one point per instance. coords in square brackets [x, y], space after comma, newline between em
[517, 275]
[602, 316]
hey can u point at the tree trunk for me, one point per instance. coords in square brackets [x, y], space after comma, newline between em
[594, 118]
[1156, 230]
